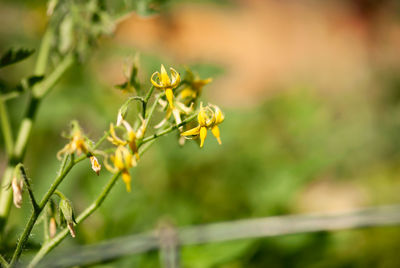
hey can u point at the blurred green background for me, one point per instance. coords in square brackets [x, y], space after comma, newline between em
[311, 96]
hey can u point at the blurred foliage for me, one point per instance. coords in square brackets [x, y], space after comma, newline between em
[271, 155]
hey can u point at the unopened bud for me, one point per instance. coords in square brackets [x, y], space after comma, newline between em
[68, 213]
[52, 227]
[95, 164]
[17, 191]
[71, 229]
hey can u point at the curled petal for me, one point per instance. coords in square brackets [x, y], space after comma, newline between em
[114, 139]
[219, 116]
[176, 78]
[154, 82]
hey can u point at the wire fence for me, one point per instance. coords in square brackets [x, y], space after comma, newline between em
[168, 239]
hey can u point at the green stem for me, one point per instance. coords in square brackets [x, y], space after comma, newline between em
[28, 186]
[3, 262]
[50, 244]
[62, 173]
[168, 130]
[6, 195]
[6, 128]
[146, 100]
[44, 50]
[25, 130]
[42, 88]
[35, 214]
[86, 213]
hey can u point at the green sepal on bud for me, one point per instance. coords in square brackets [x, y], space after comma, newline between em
[67, 215]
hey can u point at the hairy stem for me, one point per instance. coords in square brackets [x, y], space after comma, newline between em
[86, 213]
[35, 213]
[62, 173]
[51, 244]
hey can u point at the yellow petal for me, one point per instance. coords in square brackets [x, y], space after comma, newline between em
[154, 82]
[176, 78]
[114, 139]
[126, 177]
[119, 158]
[165, 81]
[170, 97]
[191, 132]
[188, 92]
[219, 116]
[215, 132]
[203, 135]
[202, 117]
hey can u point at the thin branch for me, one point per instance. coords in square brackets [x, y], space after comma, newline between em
[168, 130]
[3, 262]
[86, 213]
[49, 245]
[146, 100]
[63, 171]
[228, 231]
[42, 88]
[28, 186]
[6, 128]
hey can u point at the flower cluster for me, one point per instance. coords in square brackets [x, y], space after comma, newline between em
[178, 101]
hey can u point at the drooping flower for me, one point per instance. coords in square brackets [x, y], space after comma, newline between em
[161, 80]
[122, 161]
[78, 143]
[131, 136]
[208, 118]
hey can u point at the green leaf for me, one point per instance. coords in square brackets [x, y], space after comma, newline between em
[14, 55]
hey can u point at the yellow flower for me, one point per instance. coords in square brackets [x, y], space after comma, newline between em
[132, 136]
[195, 86]
[122, 160]
[161, 80]
[207, 118]
[77, 142]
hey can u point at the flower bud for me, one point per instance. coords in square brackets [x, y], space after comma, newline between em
[52, 227]
[68, 214]
[17, 186]
[95, 164]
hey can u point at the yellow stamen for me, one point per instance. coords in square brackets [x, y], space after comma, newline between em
[203, 135]
[170, 96]
[164, 78]
[126, 177]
